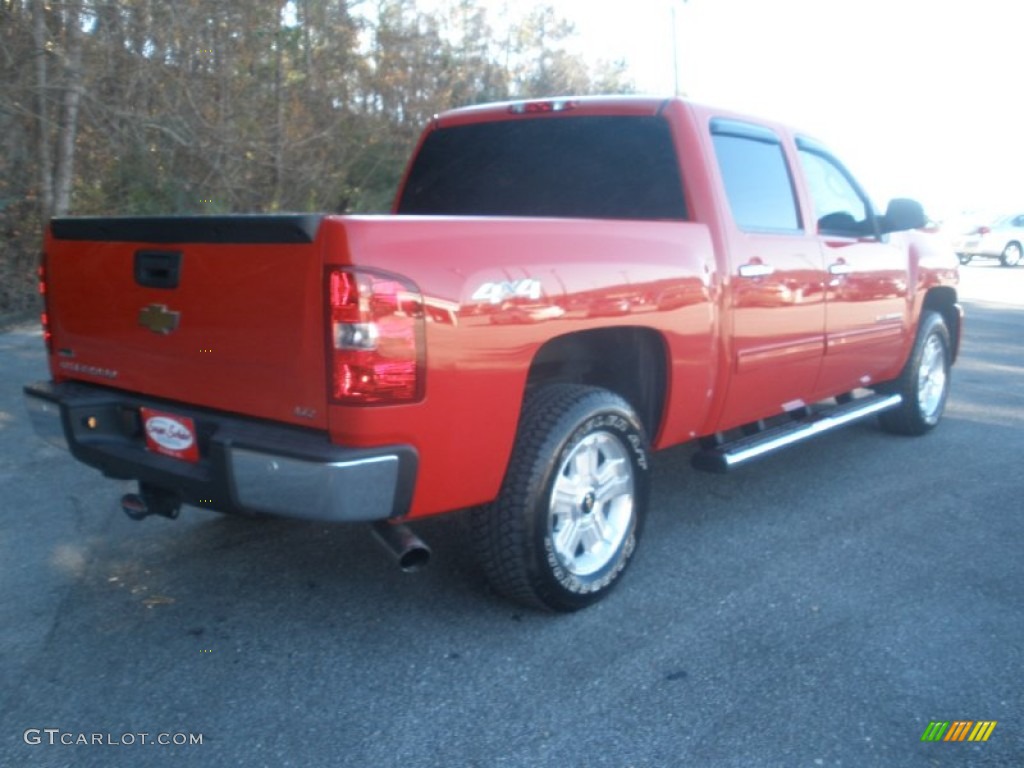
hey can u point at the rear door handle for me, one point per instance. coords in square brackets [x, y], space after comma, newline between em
[756, 270]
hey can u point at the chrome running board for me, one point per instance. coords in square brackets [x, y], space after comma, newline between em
[726, 456]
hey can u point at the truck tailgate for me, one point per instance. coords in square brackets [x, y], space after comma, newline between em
[221, 312]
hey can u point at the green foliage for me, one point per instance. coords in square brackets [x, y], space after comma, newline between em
[139, 184]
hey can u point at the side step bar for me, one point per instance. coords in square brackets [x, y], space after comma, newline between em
[724, 457]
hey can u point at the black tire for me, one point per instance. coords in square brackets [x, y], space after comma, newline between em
[566, 555]
[1012, 255]
[924, 382]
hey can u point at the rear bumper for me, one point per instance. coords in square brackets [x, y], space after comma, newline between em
[245, 465]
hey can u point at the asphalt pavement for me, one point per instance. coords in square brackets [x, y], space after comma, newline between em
[820, 608]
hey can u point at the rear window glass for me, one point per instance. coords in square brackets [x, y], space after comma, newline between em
[757, 183]
[569, 167]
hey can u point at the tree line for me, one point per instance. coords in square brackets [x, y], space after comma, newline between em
[214, 106]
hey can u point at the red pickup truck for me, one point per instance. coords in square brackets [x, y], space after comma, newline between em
[563, 287]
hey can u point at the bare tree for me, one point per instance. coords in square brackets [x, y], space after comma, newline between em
[61, 94]
[41, 53]
[67, 129]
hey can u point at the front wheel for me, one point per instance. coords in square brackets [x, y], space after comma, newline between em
[1012, 255]
[571, 508]
[924, 383]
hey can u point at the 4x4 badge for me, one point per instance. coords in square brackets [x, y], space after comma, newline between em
[159, 319]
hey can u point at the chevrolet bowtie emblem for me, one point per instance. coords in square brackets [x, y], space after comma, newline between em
[159, 319]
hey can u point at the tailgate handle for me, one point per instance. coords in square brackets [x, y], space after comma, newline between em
[157, 269]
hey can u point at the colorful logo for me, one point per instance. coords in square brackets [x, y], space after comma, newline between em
[959, 730]
[170, 435]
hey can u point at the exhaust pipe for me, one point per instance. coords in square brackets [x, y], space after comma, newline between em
[404, 545]
[150, 501]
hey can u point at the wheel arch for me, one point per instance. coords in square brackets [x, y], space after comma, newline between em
[632, 362]
[943, 299]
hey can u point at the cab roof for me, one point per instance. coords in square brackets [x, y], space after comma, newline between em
[576, 105]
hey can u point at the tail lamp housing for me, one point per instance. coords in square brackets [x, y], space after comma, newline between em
[376, 345]
[44, 316]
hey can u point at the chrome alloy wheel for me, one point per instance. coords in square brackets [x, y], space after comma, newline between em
[591, 506]
[931, 380]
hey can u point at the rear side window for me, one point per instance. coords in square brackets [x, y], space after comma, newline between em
[568, 167]
[756, 177]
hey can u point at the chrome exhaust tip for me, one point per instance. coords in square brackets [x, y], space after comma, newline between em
[150, 501]
[134, 506]
[408, 549]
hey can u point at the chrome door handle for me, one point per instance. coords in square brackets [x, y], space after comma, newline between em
[840, 268]
[756, 270]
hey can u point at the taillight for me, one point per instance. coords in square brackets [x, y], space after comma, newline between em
[44, 317]
[377, 338]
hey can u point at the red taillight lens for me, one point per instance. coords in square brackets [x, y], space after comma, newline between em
[44, 317]
[377, 338]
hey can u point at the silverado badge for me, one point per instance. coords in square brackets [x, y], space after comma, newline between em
[159, 319]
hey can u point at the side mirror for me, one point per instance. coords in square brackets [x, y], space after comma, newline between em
[903, 214]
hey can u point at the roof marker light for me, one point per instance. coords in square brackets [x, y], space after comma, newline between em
[538, 107]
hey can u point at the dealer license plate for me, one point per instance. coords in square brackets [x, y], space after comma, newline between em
[170, 434]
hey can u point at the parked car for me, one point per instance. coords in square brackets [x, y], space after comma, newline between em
[1001, 239]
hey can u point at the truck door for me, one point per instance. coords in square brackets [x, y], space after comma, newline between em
[867, 315]
[776, 278]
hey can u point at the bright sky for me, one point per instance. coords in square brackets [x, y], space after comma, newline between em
[920, 98]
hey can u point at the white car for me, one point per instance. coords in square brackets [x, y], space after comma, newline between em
[1001, 239]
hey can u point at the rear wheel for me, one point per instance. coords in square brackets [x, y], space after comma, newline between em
[566, 524]
[1012, 255]
[924, 383]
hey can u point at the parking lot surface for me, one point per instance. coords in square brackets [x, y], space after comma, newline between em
[819, 608]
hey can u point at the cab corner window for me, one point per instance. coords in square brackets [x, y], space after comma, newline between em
[756, 177]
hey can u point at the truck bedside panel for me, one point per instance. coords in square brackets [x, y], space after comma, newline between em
[495, 290]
